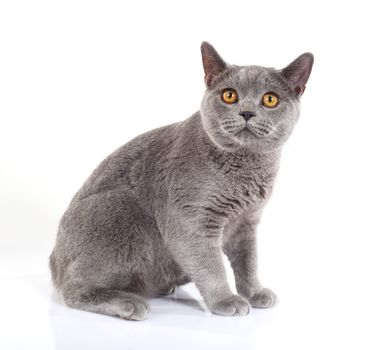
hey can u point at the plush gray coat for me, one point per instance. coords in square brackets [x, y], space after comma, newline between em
[160, 211]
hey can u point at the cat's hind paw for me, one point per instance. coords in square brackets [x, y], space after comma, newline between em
[135, 310]
[234, 305]
[263, 299]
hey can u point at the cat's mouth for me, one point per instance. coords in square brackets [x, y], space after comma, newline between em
[260, 130]
[245, 133]
[255, 130]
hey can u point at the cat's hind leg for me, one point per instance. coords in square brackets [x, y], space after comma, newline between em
[113, 302]
[105, 256]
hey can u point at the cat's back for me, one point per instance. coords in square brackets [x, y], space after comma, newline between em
[124, 167]
[133, 168]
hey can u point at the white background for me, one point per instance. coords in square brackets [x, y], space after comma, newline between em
[80, 78]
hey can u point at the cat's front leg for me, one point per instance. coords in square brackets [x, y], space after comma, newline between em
[199, 253]
[241, 249]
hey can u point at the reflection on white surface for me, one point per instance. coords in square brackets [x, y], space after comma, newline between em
[174, 322]
[32, 317]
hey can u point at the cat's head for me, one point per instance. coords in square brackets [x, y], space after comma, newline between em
[251, 107]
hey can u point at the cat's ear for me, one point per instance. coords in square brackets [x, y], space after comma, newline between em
[298, 72]
[213, 64]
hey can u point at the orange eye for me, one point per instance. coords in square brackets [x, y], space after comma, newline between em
[270, 100]
[230, 96]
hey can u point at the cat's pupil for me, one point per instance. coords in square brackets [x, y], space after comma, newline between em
[270, 98]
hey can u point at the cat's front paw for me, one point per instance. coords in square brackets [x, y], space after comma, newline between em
[234, 305]
[264, 298]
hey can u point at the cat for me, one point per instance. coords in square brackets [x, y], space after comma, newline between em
[162, 209]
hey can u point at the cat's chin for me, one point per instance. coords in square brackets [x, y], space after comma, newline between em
[247, 141]
[242, 141]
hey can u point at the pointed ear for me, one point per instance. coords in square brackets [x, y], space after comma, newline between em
[298, 72]
[213, 64]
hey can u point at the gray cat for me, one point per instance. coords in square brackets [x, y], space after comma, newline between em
[161, 210]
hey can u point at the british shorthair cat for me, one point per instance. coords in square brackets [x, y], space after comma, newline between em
[162, 209]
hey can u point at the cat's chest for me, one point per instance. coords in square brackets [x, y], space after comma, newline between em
[242, 186]
[249, 191]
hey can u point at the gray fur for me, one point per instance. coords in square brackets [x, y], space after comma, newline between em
[159, 211]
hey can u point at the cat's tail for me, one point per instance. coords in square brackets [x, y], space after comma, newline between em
[53, 268]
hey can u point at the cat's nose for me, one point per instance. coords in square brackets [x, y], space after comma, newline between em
[247, 115]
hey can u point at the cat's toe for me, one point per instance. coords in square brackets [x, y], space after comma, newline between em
[265, 298]
[234, 305]
[134, 310]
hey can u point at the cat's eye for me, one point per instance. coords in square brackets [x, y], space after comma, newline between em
[230, 96]
[270, 100]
